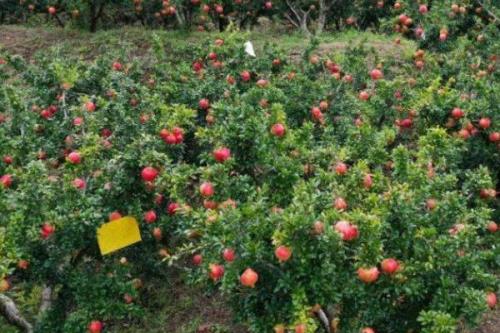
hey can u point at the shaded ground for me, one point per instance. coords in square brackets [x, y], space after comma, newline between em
[174, 307]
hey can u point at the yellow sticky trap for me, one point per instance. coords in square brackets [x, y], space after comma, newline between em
[118, 234]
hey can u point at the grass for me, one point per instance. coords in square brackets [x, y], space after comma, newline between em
[136, 42]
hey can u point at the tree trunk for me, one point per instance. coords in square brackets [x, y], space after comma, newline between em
[323, 318]
[95, 14]
[298, 18]
[9, 311]
[58, 19]
[321, 17]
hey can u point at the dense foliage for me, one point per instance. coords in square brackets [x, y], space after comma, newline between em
[426, 20]
[354, 186]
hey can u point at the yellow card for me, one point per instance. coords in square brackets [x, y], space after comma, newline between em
[118, 234]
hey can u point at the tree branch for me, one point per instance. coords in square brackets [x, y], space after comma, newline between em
[291, 20]
[293, 9]
[9, 311]
[100, 11]
[324, 320]
[46, 300]
[58, 19]
[488, 11]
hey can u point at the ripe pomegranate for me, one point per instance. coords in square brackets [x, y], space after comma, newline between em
[230, 79]
[340, 204]
[228, 255]
[52, 10]
[245, 76]
[347, 230]
[419, 32]
[114, 215]
[317, 114]
[323, 105]
[487, 193]
[204, 104]
[207, 189]
[197, 259]
[7, 159]
[456, 228]
[212, 56]
[47, 230]
[23, 264]
[494, 136]
[389, 266]
[90, 106]
[95, 326]
[484, 123]
[197, 66]
[367, 330]
[6, 181]
[4, 285]
[367, 181]
[431, 204]
[222, 154]
[368, 275]
[492, 227]
[79, 183]
[150, 216]
[262, 83]
[423, 9]
[149, 174]
[364, 95]
[157, 234]
[341, 168]
[209, 204]
[215, 272]
[172, 208]
[117, 66]
[464, 134]
[278, 130]
[491, 299]
[74, 157]
[78, 121]
[318, 227]
[249, 278]
[283, 253]
[376, 74]
[127, 298]
[457, 113]
[300, 328]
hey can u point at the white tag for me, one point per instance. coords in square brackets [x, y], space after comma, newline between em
[249, 49]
